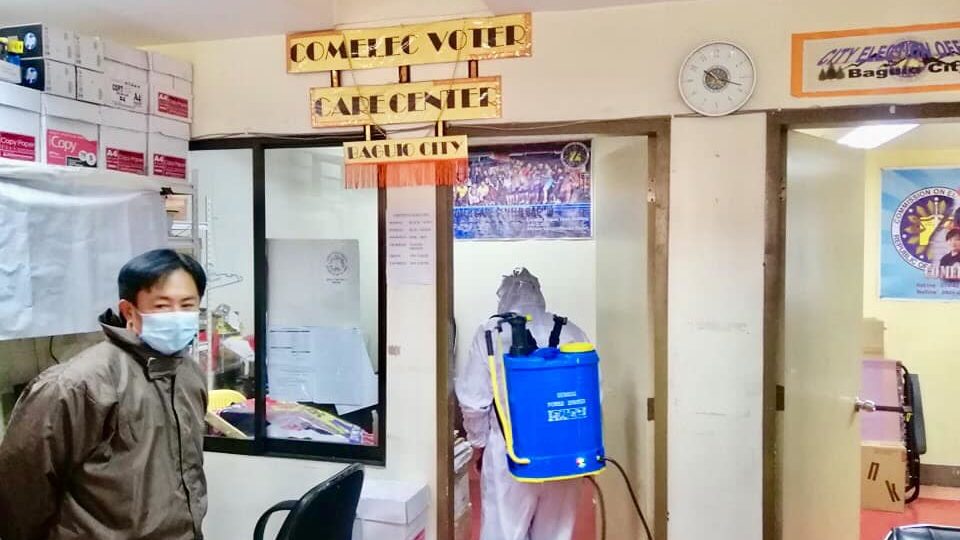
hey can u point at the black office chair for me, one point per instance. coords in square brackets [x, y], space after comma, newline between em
[924, 532]
[326, 512]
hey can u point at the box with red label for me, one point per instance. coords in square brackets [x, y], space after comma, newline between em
[168, 145]
[171, 88]
[19, 123]
[69, 132]
[127, 84]
[123, 141]
[395, 510]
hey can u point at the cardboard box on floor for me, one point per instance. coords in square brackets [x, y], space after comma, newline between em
[883, 474]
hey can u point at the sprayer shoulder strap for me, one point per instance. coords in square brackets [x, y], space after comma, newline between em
[558, 324]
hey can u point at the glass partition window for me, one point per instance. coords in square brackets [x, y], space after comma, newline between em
[224, 183]
[293, 346]
[323, 300]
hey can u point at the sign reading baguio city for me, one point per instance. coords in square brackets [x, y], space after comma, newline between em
[872, 61]
[506, 36]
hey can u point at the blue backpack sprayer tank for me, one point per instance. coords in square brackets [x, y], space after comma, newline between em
[551, 421]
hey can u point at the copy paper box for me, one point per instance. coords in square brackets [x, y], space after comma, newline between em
[123, 141]
[126, 83]
[10, 72]
[883, 473]
[90, 86]
[69, 132]
[168, 144]
[19, 123]
[171, 97]
[89, 53]
[160, 63]
[49, 76]
[44, 41]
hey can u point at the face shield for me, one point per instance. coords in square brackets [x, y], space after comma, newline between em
[520, 293]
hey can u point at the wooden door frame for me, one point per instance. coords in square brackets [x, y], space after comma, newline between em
[657, 129]
[779, 123]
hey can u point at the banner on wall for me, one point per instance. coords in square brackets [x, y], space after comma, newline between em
[871, 61]
[920, 234]
[531, 191]
[506, 36]
[406, 103]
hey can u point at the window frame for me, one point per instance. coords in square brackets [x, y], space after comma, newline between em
[261, 445]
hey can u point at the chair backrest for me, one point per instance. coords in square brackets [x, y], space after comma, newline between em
[924, 532]
[326, 512]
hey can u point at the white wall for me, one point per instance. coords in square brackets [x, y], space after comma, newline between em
[617, 63]
[566, 269]
[715, 329]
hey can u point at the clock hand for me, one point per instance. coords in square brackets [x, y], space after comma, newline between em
[721, 79]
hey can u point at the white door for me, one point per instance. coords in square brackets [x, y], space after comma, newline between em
[820, 436]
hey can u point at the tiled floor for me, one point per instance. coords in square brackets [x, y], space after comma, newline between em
[939, 506]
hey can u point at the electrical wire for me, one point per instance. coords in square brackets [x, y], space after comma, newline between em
[53, 356]
[633, 495]
[602, 505]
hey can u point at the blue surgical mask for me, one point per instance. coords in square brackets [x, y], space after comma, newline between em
[169, 332]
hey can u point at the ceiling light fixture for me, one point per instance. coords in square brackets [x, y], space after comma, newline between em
[872, 136]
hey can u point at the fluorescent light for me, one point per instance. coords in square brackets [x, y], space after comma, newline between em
[874, 135]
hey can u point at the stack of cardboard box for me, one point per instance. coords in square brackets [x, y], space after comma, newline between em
[84, 101]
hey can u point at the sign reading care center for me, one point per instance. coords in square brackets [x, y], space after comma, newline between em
[507, 36]
[430, 101]
[870, 61]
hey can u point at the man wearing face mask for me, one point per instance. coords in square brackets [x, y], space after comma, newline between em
[512, 510]
[110, 444]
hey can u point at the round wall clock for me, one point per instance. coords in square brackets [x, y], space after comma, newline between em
[717, 79]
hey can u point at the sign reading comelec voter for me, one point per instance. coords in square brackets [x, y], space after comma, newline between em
[506, 36]
[870, 61]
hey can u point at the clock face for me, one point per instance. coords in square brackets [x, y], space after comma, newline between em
[717, 79]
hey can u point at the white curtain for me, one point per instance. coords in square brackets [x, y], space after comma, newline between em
[62, 245]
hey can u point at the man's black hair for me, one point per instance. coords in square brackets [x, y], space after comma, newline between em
[953, 234]
[145, 271]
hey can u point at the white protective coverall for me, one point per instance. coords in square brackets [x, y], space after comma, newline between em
[513, 510]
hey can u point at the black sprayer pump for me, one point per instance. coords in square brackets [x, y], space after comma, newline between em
[522, 342]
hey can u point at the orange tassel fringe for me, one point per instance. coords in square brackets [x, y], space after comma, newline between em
[449, 172]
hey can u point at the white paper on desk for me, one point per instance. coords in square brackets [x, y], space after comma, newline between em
[411, 247]
[321, 364]
[314, 282]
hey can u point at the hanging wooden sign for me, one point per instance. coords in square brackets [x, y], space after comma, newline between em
[406, 162]
[506, 36]
[406, 103]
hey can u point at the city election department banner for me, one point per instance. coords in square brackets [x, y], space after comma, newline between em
[870, 61]
[525, 192]
[920, 238]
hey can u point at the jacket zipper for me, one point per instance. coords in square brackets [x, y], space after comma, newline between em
[183, 479]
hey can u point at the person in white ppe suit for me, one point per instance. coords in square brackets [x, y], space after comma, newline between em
[513, 510]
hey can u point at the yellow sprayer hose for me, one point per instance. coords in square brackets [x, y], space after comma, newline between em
[498, 405]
